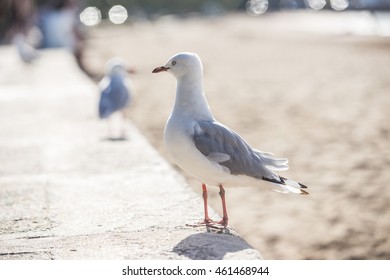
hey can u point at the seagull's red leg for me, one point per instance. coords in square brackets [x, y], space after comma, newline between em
[123, 124]
[225, 218]
[207, 219]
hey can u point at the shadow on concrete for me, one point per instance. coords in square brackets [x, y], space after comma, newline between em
[210, 246]
[115, 139]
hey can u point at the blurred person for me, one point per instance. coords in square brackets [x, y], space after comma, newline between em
[61, 28]
[16, 16]
[115, 94]
[17, 26]
[4, 21]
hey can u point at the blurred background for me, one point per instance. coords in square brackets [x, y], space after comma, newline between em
[305, 79]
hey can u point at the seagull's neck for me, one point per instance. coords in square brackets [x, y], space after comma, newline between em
[190, 99]
[117, 77]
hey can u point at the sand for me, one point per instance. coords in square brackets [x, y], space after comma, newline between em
[309, 87]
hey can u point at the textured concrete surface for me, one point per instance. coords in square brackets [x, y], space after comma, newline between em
[66, 192]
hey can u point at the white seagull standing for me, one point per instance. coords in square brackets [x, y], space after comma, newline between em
[115, 91]
[26, 51]
[208, 150]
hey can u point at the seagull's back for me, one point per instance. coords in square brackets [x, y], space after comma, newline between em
[115, 95]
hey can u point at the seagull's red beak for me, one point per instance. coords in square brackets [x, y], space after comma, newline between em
[160, 69]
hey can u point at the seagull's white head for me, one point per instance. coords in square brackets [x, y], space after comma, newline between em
[182, 64]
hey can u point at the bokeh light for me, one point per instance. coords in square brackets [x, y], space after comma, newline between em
[316, 4]
[339, 5]
[117, 14]
[256, 7]
[90, 16]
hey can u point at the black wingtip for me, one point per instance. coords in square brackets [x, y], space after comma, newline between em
[282, 182]
[302, 186]
[304, 192]
[274, 181]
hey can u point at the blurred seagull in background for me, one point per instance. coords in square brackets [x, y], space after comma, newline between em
[115, 93]
[26, 51]
[208, 150]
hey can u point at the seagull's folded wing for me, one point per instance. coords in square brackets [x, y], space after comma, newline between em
[225, 147]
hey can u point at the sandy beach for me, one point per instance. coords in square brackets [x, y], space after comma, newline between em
[296, 85]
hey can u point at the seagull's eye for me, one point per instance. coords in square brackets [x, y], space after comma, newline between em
[174, 62]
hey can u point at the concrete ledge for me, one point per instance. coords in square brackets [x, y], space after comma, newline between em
[67, 193]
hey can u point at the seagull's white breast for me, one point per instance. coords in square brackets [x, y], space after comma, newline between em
[181, 147]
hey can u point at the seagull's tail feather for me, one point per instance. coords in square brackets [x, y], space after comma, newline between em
[272, 162]
[288, 186]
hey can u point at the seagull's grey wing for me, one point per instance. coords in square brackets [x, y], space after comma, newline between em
[105, 106]
[224, 146]
[119, 93]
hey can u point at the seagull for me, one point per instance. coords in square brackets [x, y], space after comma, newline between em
[26, 51]
[209, 151]
[115, 90]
